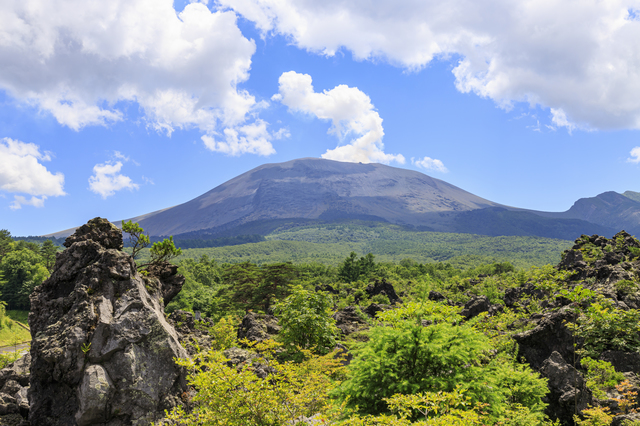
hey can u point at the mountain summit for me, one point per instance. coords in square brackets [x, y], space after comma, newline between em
[313, 188]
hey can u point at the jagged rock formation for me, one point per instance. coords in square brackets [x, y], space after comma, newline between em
[258, 327]
[550, 335]
[102, 351]
[567, 389]
[384, 288]
[14, 386]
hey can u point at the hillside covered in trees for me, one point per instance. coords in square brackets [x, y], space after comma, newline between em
[371, 342]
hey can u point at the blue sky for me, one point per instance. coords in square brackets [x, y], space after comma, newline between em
[120, 109]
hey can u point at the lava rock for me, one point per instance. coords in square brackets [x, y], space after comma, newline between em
[550, 335]
[102, 351]
[348, 321]
[476, 306]
[258, 327]
[567, 389]
[622, 361]
[385, 288]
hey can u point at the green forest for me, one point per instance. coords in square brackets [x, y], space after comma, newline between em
[341, 351]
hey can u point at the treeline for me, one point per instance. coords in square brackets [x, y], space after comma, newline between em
[24, 264]
[221, 289]
[189, 243]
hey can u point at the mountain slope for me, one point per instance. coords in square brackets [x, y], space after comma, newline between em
[314, 188]
[608, 209]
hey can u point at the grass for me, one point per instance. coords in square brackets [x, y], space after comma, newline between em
[20, 316]
[10, 332]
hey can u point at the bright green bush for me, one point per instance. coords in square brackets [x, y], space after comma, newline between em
[305, 317]
[601, 376]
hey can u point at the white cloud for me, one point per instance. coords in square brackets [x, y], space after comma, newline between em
[430, 164]
[578, 57]
[19, 201]
[78, 59]
[21, 171]
[252, 138]
[350, 112]
[634, 155]
[107, 179]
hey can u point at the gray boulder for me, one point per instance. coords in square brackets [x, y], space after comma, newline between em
[568, 392]
[258, 327]
[102, 351]
[550, 335]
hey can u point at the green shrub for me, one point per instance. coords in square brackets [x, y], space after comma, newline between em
[305, 317]
[601, 376]
[603, 326]
[626, 286]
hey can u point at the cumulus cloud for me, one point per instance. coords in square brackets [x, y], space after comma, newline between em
[430, 164]
[580, 58]
[351, 114]
[107, 179]
[81, 60]
[634, 155]
[21, 172]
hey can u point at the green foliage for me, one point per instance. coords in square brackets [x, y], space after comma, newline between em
[603, 326]
[164, 251]
[22, 271]
[601, 376]
[352, 269]
[250, 287]
[594, 416]
[626, 286]
[231, 397]
[137, 239]
[407, 358]
[306, 321]
[48, 252]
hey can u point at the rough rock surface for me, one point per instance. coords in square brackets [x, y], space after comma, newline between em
[258, 327]
[14, 385]
[567, 389]
[102, 351]
[192, 333]
[602, 259]
[550, 335]
[348, 321]
[477, 305]
[623, 361]
[385, 288]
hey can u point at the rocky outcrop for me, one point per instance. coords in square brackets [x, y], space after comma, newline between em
[550, 335]
[193, 334]
[102, 351]
[604, 260]
[623, 361]
[385, 288]
[348, 321]
[567, 389]
[14, 386]
[258, 327]
[477, 305]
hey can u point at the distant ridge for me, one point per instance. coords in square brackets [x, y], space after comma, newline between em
[314, 190]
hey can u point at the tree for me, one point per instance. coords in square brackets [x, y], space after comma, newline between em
[137, 239]
[352, 269]
[22, 270]
[48, 252]
[6, 242]
[306, 321]
[164, 251]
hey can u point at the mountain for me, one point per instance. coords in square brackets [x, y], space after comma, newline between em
[312, 190]
[609, 209]
[317, 189]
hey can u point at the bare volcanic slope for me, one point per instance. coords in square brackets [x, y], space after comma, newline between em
[313, 188]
